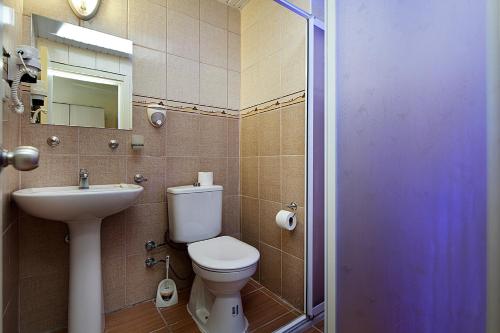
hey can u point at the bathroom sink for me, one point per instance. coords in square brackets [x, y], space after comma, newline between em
[70, 204]
[82, 210]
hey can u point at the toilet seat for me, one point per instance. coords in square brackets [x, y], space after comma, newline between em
[223, 254]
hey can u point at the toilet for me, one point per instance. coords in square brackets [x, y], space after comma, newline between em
[223, 265]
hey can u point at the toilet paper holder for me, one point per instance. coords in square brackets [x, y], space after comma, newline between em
[293, 206]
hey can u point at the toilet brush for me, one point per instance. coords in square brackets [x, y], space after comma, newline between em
[167, 290]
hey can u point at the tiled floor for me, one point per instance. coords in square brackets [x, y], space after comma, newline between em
[265, 313]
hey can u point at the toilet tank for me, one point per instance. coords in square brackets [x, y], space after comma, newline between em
[194, 212]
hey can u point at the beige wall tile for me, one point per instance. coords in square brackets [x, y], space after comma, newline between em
[107, 62]
[147, 24]
[27, 33]
[57, 52]
[153, 168]
[182, 171]
[65, 167]
[293, 28]
[269, 178]
[250, 86]
[183, 79]
[213, 12]
[149, 72]
[233, 20]
[187, 7]
[250, 14]
[154, 138]
[126, 66]
[183, 35]
[81, 57]
[233, 176]
[233, 137]
[113, 236]
[234, 52]
[111, 18]
[37, 135]
[269, 133]
[270, 268]
[293, 126]
[233, 90]
[249, 136]
[213, 86]
[213, 45]
[162, 3]
[183, 134]
[95, 141]
[141, 281]
[293, 69]
[231, 217]
[217, 165]
[37, 311]
[293, 285]
[249, 218]
[270, 232]
[54, 9]
[293, 241]
[293, 179]
[44, 250]
[269, 35]
[213, 136]
[105, 170]
[144, 223]
[113, 278]
[269, 78]
[250, 176]
[250, 47]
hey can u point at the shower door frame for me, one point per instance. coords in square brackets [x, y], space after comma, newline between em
[313, 23]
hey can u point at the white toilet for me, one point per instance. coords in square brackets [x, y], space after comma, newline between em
[223, 265]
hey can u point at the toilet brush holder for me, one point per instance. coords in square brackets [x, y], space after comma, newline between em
[166, 294]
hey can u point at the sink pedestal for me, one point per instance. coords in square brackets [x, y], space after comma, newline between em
[86, 307]
[82, 210]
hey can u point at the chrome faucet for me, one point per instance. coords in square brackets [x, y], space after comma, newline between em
[83, 182]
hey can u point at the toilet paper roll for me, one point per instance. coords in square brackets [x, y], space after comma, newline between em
[286, 220]
[206, 178]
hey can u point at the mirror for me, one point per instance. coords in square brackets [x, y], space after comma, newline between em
[86, 77]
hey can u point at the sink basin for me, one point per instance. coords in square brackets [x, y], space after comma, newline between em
[82, 211]
[70, 204]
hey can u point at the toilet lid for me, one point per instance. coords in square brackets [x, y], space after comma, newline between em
[223, 253]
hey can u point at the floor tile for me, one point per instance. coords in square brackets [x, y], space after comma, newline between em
[260, 309]
[265, 312]
[276, 323]
[177, 313]
[141, 318]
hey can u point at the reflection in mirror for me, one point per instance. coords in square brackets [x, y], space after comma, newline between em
[81, 84]
[83, 103]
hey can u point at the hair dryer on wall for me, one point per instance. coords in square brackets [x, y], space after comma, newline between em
[23, 67]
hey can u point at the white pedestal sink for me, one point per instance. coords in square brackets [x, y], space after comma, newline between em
[83, 211]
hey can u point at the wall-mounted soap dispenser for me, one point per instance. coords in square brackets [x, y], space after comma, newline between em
[157, 114]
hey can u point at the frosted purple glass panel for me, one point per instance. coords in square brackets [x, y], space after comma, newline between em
[412, 166]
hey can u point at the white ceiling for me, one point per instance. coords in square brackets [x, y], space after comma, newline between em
[235, 3]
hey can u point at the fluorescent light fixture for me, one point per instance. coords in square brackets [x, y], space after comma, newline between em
[85, 9]
[92, 37]
[81, 77]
